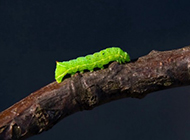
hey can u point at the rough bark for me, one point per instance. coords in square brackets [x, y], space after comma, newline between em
[44, 108]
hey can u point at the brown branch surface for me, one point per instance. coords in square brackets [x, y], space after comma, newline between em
[44, 108]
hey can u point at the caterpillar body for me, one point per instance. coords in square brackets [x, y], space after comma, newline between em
[89, 62]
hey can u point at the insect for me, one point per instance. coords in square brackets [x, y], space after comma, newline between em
[89, 62]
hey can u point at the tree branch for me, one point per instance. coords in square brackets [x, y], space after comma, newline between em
[44, 108]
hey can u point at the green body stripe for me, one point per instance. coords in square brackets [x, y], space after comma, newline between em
[89, 62]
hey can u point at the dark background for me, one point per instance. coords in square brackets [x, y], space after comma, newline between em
[34, 34]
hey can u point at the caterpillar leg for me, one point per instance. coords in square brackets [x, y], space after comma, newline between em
[81, 72]
[102, 68]
[74, 75]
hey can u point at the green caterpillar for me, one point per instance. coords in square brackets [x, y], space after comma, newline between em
[89, 62]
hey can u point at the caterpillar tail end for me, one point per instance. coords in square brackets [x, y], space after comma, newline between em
[59, 73]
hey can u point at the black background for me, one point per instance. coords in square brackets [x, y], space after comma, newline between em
[34, 34]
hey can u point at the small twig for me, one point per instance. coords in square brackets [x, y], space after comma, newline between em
[44, 108]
